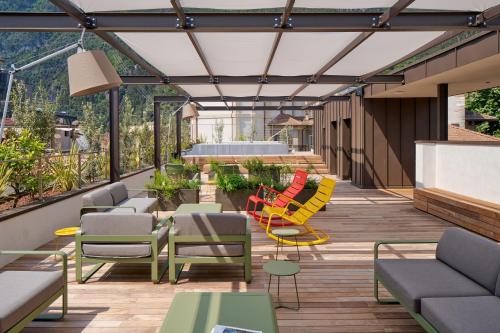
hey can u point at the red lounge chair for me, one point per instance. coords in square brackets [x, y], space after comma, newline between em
[267, 196]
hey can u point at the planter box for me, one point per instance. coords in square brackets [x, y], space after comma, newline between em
[233, 200]
[182, 196]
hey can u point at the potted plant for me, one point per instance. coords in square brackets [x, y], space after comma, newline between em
[258, 170]
[233, 190]
[173, 191]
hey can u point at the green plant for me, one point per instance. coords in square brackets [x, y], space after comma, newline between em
[310, 168]
[64, 169]
[22, 154]
[218, 135]
[254, 165]
[215, 166]
[5, 173]
[190, 169]
[168, 186]
[311, 183]
[232, 182]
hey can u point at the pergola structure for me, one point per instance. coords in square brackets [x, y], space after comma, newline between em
[264, 50]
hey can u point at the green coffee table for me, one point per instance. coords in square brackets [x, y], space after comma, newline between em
[199, 208]
[281, 233]
[281, 268]
[199, 312]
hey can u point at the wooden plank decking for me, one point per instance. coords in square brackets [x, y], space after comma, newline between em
[335, 283]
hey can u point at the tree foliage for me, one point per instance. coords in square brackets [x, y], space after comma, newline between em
[34, 113]
[21, 154]
[486, 102]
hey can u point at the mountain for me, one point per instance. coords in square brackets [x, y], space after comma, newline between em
[23, 47]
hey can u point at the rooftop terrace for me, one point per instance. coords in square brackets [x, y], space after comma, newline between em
[335, 284]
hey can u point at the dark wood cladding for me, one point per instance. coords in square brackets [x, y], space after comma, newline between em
[382, 138]
[331, 141]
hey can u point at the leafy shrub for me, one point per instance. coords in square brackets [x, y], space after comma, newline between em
[21, 154]
[254, 165]
[232, 183]
[168, 186]
[311, 183]
[5, 173]
[65, 170]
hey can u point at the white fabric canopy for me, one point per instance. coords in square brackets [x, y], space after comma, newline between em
[303, 53]
[236, 53]
[298, 53]
[171, 53]
[382, 48]
[127, 5]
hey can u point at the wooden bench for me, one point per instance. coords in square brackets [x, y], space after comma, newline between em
[479, 216]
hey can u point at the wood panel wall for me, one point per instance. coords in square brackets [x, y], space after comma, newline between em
[324, 145]
[383, 132]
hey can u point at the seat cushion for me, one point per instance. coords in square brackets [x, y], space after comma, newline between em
[142, 205]
[139, 250]
[117, 250]
[213, 250]
[21, 292]
[463, 314]
[414, 279]
[99, 197]
[118, 192]
[475, 256]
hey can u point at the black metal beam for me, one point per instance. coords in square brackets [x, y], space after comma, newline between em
[383, 20]
[114, 135]
[255, 79]
[157, 134]
[178, 134]
[244, 22]
[261, 108]
[284, 23]
[182, 99]
[483, 19]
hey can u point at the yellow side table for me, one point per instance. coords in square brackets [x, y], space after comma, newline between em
[65, 232]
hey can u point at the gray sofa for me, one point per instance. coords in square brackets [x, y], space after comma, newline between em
[24, 295]
[458, 291]
[120, 238]
[115, 197]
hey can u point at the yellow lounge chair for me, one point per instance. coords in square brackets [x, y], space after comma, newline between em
[303, 214]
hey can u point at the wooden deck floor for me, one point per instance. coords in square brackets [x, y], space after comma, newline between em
[335, 283]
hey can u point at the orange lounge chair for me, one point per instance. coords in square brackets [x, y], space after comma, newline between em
[271, 197]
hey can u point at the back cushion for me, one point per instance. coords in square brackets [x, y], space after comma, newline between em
[99, 197]
[475, 256]
[118, 224]
[118, 192]
[209, 224]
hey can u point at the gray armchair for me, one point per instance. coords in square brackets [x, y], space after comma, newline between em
[120, 238]
[209, 238]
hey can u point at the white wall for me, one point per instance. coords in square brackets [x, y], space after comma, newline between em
[468, 169]
[31, 230]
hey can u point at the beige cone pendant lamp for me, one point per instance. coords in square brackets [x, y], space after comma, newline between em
[91, 72]
[189, 111]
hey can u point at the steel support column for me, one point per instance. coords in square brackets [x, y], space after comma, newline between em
[178, 134]
[156, 135]
[114, 135]
[442, 112]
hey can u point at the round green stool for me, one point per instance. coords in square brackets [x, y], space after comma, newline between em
[281, 268]
[281, 233]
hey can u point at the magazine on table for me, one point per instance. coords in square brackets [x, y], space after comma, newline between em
[229, 329]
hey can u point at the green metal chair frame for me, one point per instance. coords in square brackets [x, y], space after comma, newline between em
[376, 279]
[177, 263]
[157, 272]
[63, 292]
